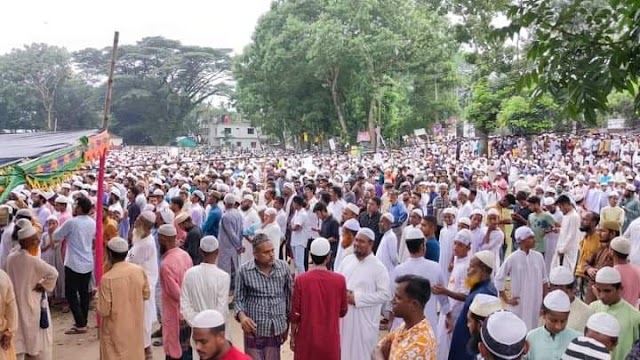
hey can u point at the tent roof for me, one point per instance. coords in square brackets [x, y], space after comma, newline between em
[32, 145]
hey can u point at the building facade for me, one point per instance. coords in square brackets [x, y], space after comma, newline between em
[233, 135]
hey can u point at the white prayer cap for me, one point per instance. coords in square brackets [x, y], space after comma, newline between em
[248, 197]
[115, 191]
[77, 184]
[167, 230]
[464, 191]
[289, 186]
[261, 209]
[118, 244]
[561, 275]
[116, 208]
[463, 236]
[158, 192]
[320, 247]
[389, 217]
[486, 257]
[149, 207]
[229, 199]
[366, 232]
[182, 217]
[493, 211]
[52, 217]
[484, 305]
[443, 185]
[208, 319]
[416, 212]
[504, 334]
[557, 300]
[604, 323]
[465, 221]
[352, 224]
[26, 232]
[271, 211]
[23, 223]
[621, 244]
[450, 210]
[548, 201]
[167, 215]
[631, 187]
[614, 193]
[608, 275]
[209, 244]
[353, 208]
[413, 233]
[149, 216]
[523, 232]
[477, 212]
[61, 199]
[66, 186]
[199, 194]
[24, 213]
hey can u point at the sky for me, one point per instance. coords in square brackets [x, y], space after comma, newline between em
[78, 24]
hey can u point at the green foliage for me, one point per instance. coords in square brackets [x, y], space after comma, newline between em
[524, 116]
[581, 51]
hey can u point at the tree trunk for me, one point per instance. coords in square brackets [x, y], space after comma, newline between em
[333, 81]
[371, 122]
[484, 141]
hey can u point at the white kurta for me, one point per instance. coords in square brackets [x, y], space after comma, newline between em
[205, 287]
[633, 234]
[388, 251]
[528, 275]
[144, 254]
[496, 240]
[6, 244]
[249, 218]
[429, 270]
[272, 230]
[568, 240]
[551, 241]
[465, 210]
[403, 251]
[457, 285]
[369, 281]
[446, 248]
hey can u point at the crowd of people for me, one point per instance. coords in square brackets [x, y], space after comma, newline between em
[429, 252]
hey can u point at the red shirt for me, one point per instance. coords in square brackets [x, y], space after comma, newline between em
[235, 354]
[319, 301]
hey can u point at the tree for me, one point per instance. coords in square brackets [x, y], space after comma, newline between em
[581, 51]
[524, 116]
[38, 68]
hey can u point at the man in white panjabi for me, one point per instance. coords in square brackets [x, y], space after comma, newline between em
[569, 237]
[527, 270]
[388, 248]
[249, 218]
[205, 287]
[447, 234]
[551, 238]
[145, 254]
[270, 228]
[31, 277]
[367, 290]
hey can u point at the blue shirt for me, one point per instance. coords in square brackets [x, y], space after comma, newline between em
[461, 335]
[544, 346]
[399, 213]
[211, 226]
[80, 232]
[432, 250]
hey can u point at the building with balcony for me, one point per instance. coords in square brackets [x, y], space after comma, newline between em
[233, 134]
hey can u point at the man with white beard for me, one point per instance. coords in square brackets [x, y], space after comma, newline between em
[144, 254]
[249, 218]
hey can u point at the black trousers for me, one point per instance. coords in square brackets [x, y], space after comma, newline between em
[76, 290]
[306, 255]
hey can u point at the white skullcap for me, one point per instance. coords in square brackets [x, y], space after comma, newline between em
[389, 217]
[484, 305]
[167, 230]
[443, 185]
[149, 216]
[26, 232]
[614, 193]
[486, 257]
[493, 211]
[465, 221]
[65, 186]
[463, 236]
[548, 201]
[182, 217]
[557, 300]
[149, 207]
[23, 223]
[320, 247]
[413, 233]
[199, 194]
[271, 211]
[417, 212]
[208, 319]
[158, 192]
[61, 199]
[630, 187]
[450, 210]
[115, 191]
[209, 244]
[167, 215]
[24, 213]
[289, 186]
[604, 323]
[353, 208]
[464, 191]
[523, 232]
[504, 335]
[229, 199]
[477, 212]
[621, 244]
[248, 197]
[366, 232]
[116, 208]
[608, 275]
[118, 244]
[52, 218]
[261, 208]
[561, 275]
[352, 224]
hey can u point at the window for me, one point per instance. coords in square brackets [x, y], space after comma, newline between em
[254, 145]
[227, 131]
[251, 131]
[238, 144]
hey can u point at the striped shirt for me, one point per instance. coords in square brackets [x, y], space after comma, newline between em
[584, 348]
[266, 299]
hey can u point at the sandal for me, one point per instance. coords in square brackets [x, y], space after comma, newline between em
[76, 331]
